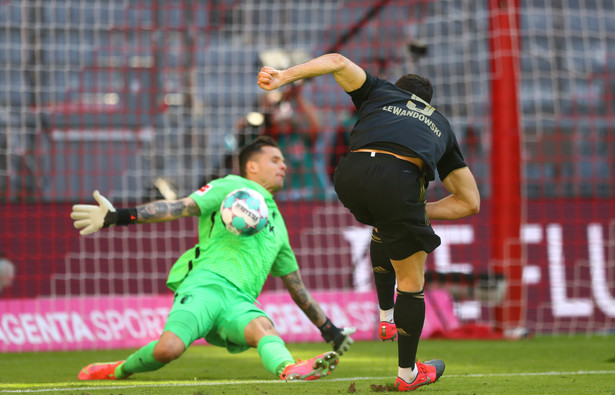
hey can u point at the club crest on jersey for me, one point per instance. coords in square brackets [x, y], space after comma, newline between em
[203, 190]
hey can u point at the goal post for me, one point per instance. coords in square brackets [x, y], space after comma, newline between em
[506, 165]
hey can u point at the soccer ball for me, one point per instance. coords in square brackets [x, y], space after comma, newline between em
[244, 212]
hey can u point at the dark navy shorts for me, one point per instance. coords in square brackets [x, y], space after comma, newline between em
[388, 193]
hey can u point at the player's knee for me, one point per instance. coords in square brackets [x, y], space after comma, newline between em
[262, 324]
[410, 283]
[166, 352]
[257, 329]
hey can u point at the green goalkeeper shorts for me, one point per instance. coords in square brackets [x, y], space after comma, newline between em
[216, 310]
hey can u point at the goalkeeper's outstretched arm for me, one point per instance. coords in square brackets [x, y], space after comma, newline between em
[339, 339]
[91, 218]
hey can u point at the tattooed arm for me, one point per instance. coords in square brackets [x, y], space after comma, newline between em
[303, 299]
[338, 338]
[91, 218]
[167, 210]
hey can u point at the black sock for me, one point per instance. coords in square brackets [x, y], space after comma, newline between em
[409, 318]
[384, 274]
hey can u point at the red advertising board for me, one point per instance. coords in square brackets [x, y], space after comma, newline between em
[569, 264]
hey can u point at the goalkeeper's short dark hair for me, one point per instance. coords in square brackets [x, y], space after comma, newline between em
[252, 148]
[416, 84]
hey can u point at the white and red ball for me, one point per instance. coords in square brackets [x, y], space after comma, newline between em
[244, 212]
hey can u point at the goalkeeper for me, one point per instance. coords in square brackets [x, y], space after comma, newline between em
[217, 282]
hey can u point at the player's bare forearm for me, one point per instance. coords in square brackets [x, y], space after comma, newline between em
[303, 299]
[347, 74]
[167, 210]
[463, 201]
[450, 208]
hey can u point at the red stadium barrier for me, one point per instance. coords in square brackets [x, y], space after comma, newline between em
[567, 275]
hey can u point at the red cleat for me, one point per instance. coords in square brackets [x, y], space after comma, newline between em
[99, 371]
[429, 372]
[387, 331]
[311, 369]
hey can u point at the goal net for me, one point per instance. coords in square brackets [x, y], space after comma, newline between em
[146, 100]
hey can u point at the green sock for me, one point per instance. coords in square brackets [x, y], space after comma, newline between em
[141, 360]
[274, 354]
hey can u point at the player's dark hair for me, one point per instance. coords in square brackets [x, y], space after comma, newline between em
[252, 148]
[416, 84]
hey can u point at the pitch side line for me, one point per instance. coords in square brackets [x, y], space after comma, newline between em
[218, 383]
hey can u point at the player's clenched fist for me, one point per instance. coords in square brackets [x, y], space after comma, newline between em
[91, 218]
[269, 78]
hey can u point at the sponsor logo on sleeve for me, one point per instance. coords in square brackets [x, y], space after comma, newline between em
[203, 190]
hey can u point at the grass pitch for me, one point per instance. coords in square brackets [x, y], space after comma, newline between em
[542, 365]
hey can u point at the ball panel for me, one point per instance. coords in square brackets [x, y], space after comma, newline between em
[227, 215]
[253, 203]
[238, 223]
[261, 224]
[233, 230]
[228, 201]
[242, 194]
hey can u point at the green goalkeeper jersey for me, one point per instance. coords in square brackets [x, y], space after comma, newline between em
[245, 261]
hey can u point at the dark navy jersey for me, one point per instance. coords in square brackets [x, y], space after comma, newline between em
[388, 114]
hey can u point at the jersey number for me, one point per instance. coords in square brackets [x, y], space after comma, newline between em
[427, 110]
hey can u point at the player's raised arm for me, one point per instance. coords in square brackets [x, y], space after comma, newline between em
[347, 74]
[91, 218]
[339, 339]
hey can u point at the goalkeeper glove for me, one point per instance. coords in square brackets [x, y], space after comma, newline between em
[92, 218]
[339, 339]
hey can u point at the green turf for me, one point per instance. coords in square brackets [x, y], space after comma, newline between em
[542, 365]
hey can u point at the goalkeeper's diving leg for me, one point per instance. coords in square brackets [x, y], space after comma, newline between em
[277, 359]
[151, 357]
